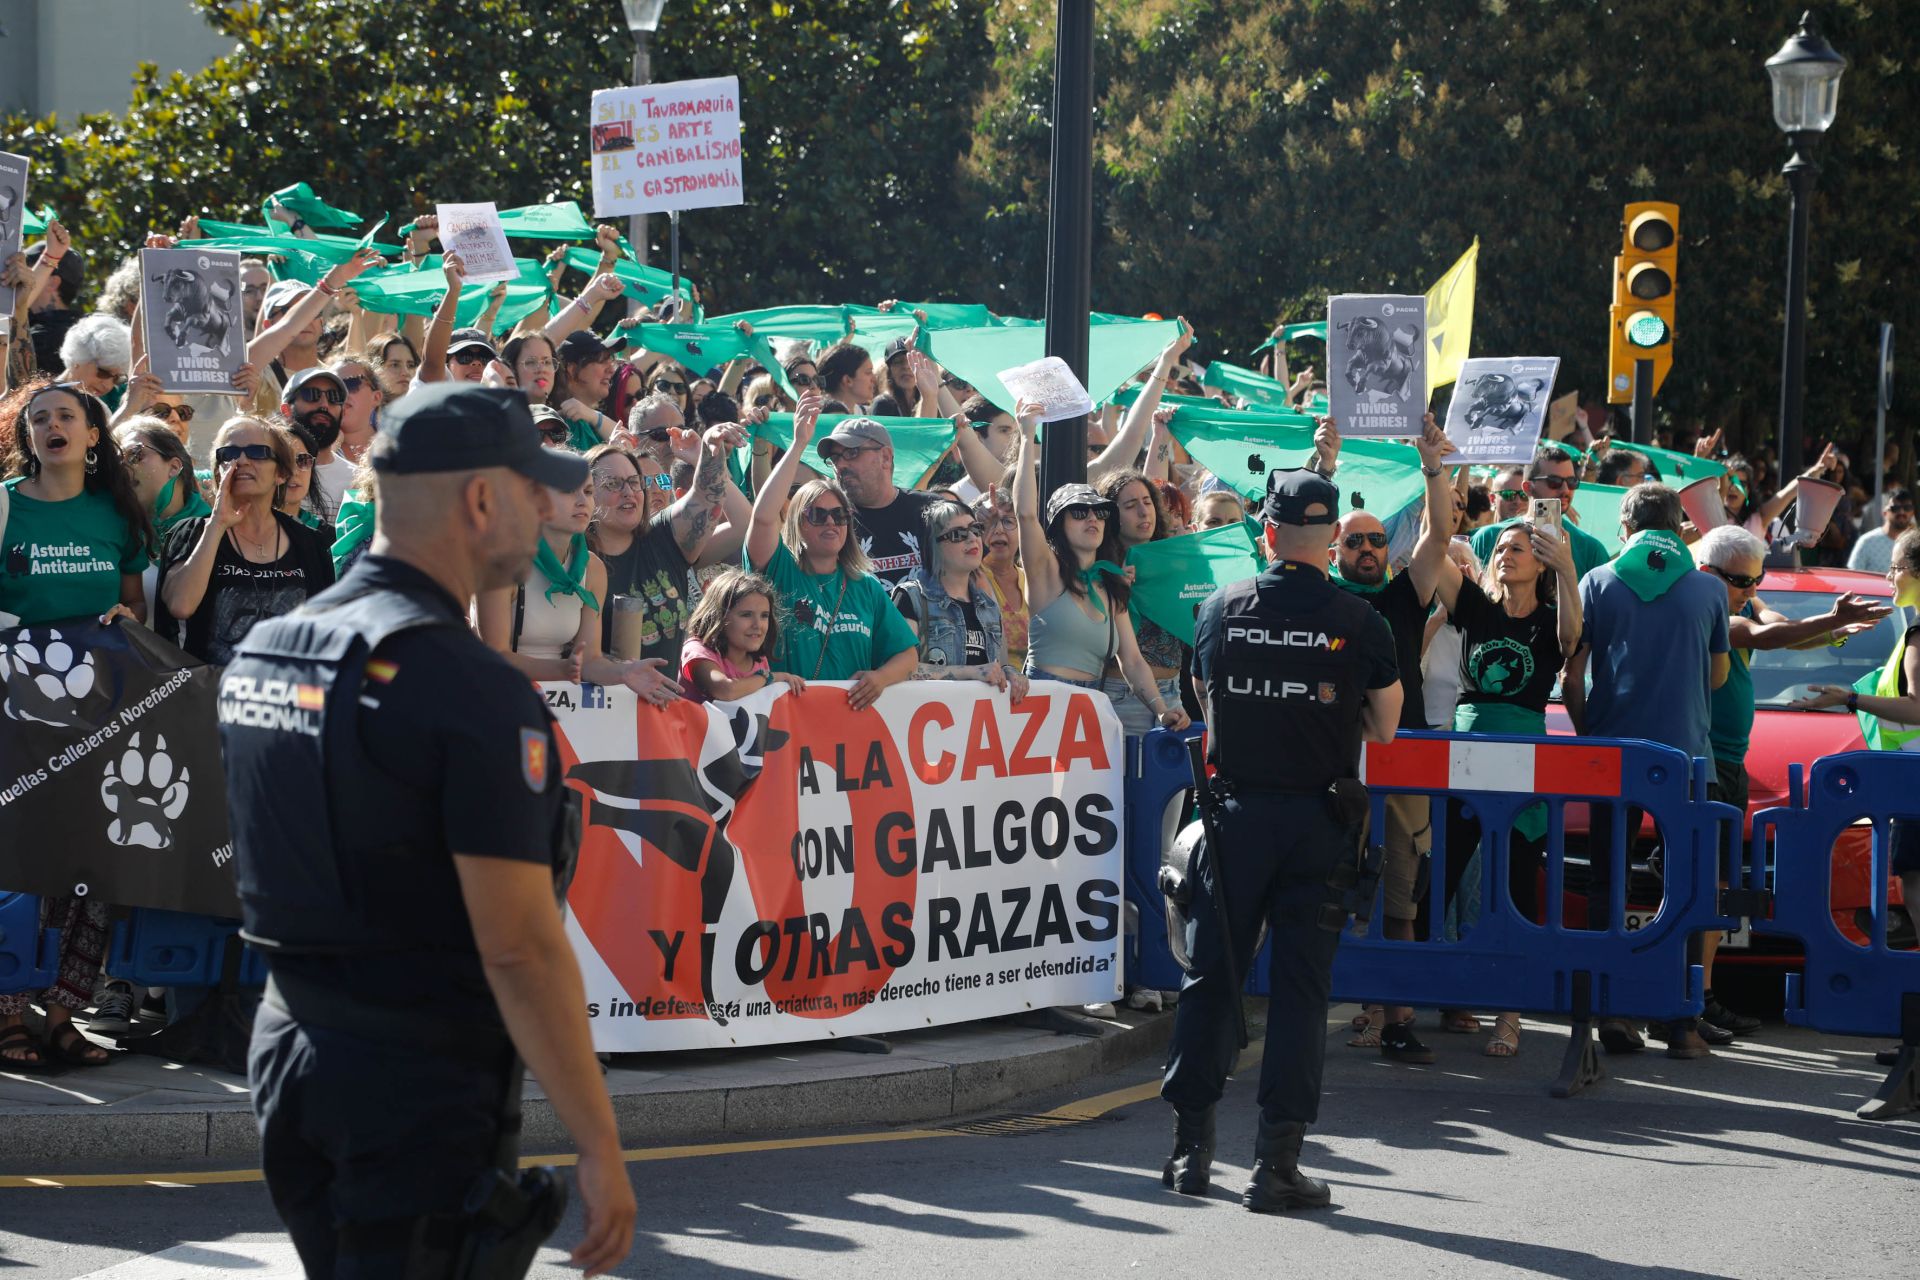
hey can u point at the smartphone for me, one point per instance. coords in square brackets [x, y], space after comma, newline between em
[1544, 515]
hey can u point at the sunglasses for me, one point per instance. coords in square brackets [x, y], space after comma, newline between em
[1739, 580]
[1557, 482]
[302, 462]
[134, 454]
[847, 453]
[660, 481]
[555, 432]
[1355, 541]
[184, 412]
[668, 385]
[472, 355]
[820, 516]
[315, 395]
[231, 453]
[764, 402]
[353, 383]
[960, 533]
[1081, 511]
[800, 379]
[1509, 495]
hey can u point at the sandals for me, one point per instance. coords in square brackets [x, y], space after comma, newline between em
[1366, 1026]
[74, 1049]
[1505, 1040]
[1459, 1022]
[16, 1039]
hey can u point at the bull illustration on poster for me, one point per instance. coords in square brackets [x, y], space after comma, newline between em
[1499, 408]
[190, 302]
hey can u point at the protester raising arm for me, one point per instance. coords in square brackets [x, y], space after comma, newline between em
[580, 313]
[1766, 510]
[1159, 444]
[1044, 584]
[763, 533]
[1127, 442]
[692, 515]
[1430, 561]
[266, 348]
[433, 355]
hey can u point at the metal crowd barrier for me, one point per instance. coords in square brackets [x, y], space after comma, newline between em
[1845, 987]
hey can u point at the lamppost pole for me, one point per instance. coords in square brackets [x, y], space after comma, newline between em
[637, 222]
[1799, 172]
[1063, 454]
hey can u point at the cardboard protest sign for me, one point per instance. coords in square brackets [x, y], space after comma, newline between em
[1499, 408]
[661, 147]
[1049, 381]
[110, 775]
[473, 231]
[1563, 415]
[13, 219]
[1172, 576]
[784, 868]
[1378, 342]
[190, 309]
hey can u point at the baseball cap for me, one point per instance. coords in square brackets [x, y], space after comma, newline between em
[306, 376]
[583, 346]
[1298, 496]
[465, 339]
[280, 294]
[462, 426]
[1074, 495]
[71, 269]
[854, 433]
[898, 347]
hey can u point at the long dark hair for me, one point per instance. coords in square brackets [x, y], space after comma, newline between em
[1114, 481]
[107, 473]
[1110, 550]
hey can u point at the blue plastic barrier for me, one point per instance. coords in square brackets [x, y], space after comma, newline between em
[27, 956]
[1845, 987]
[1157, 771]
[1506, 961]
[171, 949]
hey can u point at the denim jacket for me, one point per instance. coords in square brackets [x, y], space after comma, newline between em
[943, 622]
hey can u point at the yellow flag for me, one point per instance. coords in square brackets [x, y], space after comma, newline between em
[1450, 319]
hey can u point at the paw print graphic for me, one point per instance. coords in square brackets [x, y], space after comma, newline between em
[47, 679]
[143, 794]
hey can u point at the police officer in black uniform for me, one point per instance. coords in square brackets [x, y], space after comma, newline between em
[398, 818]
[1294, 674]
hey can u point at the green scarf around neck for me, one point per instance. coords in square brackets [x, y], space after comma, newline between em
[1345, 583]
[352, 525]
[569, 578]
[1652, 562]
[195, 504]
[1091, 575]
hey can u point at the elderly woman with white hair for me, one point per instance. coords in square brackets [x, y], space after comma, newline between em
[96, 353]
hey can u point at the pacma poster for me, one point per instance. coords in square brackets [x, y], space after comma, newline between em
[1377, 365]
[190, 300]
[1499, 407]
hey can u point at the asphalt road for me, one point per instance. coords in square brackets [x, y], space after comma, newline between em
[1749, 1165]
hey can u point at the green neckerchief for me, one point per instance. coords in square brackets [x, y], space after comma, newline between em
[1653, 561]
[1090, 575]
[352, 525]
[1345, 583]
[195, 505]
[569, 578]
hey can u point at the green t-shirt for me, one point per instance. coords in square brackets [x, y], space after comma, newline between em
[1730, 726]
[1589, 553]
[581, 436]
[865, 631]
[64, 559]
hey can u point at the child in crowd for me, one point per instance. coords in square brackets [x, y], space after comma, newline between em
[732, 631]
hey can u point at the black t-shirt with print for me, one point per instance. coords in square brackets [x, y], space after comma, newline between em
[1503, 658]
[891, 535]
[240, 591]
[1406, 617]
[653, 568]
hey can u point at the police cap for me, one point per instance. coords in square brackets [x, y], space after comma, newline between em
[1298, 496]
[462, 426]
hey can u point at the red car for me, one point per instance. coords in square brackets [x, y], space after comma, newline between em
[1783, 736]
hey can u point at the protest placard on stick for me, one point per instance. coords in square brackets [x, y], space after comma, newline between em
[13, 213]
[1376, 364]
[474, 232]
[1499, 407]
[663, 147]
[190, 308]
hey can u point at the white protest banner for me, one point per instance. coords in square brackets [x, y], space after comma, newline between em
[190, 307]
[13, 213]
[1499, 407]
[662, 147]
[784, 868]
[1380, 343]
[474, 232]
[1051, 382]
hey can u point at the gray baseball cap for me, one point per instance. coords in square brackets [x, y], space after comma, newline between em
[854, 433]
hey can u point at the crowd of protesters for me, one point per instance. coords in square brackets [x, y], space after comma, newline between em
[674, 575]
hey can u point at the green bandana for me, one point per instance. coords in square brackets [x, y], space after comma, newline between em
[1358, 588]
[352, 525]
[195, 505]
[569, 578]
[1653, 561]
[1091, 575]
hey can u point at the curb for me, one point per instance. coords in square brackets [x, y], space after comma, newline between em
[935, 1075]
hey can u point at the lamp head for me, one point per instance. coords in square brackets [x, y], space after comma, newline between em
[643, 16]
[1806, 80]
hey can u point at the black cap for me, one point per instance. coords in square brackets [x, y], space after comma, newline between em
[70, 270]
[583, 346]
[899, 347]
[462, 426]
[1294, 493]
[465, 338]
[314, 374]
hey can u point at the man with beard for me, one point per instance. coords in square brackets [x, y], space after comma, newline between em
[1873, 553]
[889, 520]
[1403, 599]
[315, 398]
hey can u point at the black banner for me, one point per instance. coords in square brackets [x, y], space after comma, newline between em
[111, 783]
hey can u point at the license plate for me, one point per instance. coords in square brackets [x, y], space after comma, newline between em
[1741, 937]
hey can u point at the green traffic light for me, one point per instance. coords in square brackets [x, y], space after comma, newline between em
[1646, 329]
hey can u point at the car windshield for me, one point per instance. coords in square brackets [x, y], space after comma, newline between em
[1781, 675]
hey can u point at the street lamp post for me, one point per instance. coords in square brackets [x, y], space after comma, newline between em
[643, 19]
[1063, 451]
[1806, 95]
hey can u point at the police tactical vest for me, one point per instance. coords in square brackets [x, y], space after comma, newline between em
[313, 817]
[1287, 682]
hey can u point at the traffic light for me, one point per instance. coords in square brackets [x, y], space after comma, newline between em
[1643, 295]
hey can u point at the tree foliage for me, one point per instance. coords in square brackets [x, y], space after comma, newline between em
[1251, 156]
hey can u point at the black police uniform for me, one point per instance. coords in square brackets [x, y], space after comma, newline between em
[1287, 659]
[368, 735]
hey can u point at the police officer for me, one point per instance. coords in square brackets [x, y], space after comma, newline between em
[398, 813]
[1294, 674]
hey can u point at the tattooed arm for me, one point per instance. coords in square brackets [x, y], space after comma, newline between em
[692, 515]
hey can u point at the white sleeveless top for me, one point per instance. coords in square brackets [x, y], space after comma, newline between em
[546, 625]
